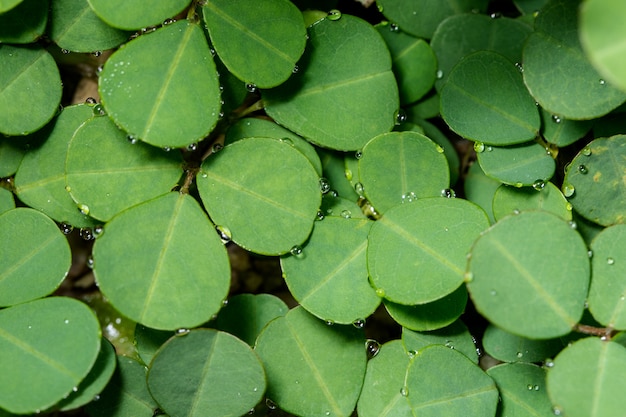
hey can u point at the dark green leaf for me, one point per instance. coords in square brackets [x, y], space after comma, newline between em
[455, 336]
[24, 23]
[148, 341]
[6, 5]
[6, 200]
[508, 347]
[11, 154]
[134, 14]
[560, 131]
[542, 196]
[522, 389]
[480, 189]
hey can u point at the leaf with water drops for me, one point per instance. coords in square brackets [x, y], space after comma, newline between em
[442, 381]
[421, 17]
[6, 200]
[329, 279]
[587, 379]
[541, 196]
[561, 131]
[35, 256]
[480, 189]
[413, 61]
[429, 316]
[417, 251]
[517, 287]
[340, 207]
[485, 100]
[75, 27]
[344, 93]
[105, 173]
[607, 294]
[126, 394]
[260, 43]
[40, 179]
[433, 133]
[384, 379]
[338, 174]
[25, 23]
[269, 203]
[48, 347]
[507, 347]
[522, 388]
[246, 315]
[195, 361]
[11, 154]
[263, 128]
[148, 341]
[463, 34]
[577, 90]
[29, 79]
[133, 14]
[518, 165]
[312, 368]
[454, 336]
[162, 264]
[400, 167]
[594, 181]
[145, 86]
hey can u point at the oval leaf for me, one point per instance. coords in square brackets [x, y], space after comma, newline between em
[133, 14]
[455, 336]
[508, 347]
[542, 196]
[25, 23]
[523, 390]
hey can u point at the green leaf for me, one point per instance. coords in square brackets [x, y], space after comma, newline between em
[246, 315]
[455, 336]
[383, 381]
[560, 131]
[6, 200]
[126, 394]
[429, 239]
[433, 133]
[75, 27]
[48, 347]
[542, 196]
[6, 5]
[133, 14]
[426, 108]
[508, 347]
[29, 79]
[196, 361]
[337, 173]
[480, 189]
[607, 293]
[485, 100]
[587, 379]
[11, 154]
[421, 17]
[161, 263]
[35, 256]
[344, 92]
[441, 381]
[329, 278]
[147, 92]
[106, 174]
[429, 316]
[576, 91]
[312, 368]
[529, 7]
[148, 341]
[269, 202]
[24, 23]
[596, 175]
[340, 207]
[400, 167]
[518, 287]
[258, 43]
[518, 165]
[601, 32]
[522, 388]
[413, 62]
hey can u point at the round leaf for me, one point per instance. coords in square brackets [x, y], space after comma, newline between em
[480, 189]
[259, 43]
[148, 341]
[329, 278]
[133, 14]
[344, 92]
[196, 361]
[106, 174]
[485, 100]
[576, 91]
[522, 389]
[417, 251]
[161, 263]
[560, 131]
[543, 196]
[594, 181]
[35, 256]
[48, 347]
[312, 368]
[264, 191]
[517, 287]
[434, 134]
[508, 347]
[11, 154]
[147, 92]
[587, 379]
[24, 23]
[455, 336]
[29, 79]
[6, 5]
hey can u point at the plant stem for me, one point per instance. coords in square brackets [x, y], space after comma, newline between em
[605, 332]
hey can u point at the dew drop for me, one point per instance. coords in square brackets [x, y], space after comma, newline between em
[556, 411]
[448, 193]
[590, 254]
[287, 141]
[320, 215]
[86, 233]
[358, 187]
[439, 149]
[348, 174]
[489, 148]
[372, 347]
[252, 88]
[346, 214]
[192, 147]
[96, 397]
[539, 185]
[167, 149]
[518, 185]
[572, 224]
[66, 228]
[439, 74]
[358, 154]
[602, 82]
[404, 391]
[131, 139]
[90, 100]
[324, 185]
[409, 197]
[479, 147]
[519, 354]
[556, 119]
[493, 292]
[296, 251]
[449, 344]
[568, 190]
[519, 66]
[359, 323]
[84, 209]
[496, 15]
[569, 207]
[582, 169]
[334, 14]
[610, 261]
[168, 21]
[330, 322]
[380, 292]
[468, 276]
[65, 51]
[224, 233]
[270, 404]
[516, 211]
[216, 147]
[98, 110]
[90, 262]
[529, 387]
[225, 302]
[400, 117]
[586, 151]
[548, 363]
[393, 28]
[295, 69]
[66, 321]
[181, 332]
[412, 353]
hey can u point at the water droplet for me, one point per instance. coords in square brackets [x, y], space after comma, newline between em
[602, 82]
[287, 141]
[358, 187]
[131, 139]
[590, 253]
[167, 149]
[610, 261]
[86, 233]
[448, 193]
[346, 214]
[296, 251]
[393, 28]
[98, 110]
[519, 66]
[439, 149]
[66, 321]
[90, 100]
[295, 69]
[539, 185]
[489, 148]
[380, 292]
[224, 233]
[468, 276]
[449, 344]
[90, 262]
[217, 147]
[320, 215]
[548, 363]
[412, 353]
[409, 197]
[493, 292]
[324, 185]
[181, 332]
[359, 323]
[372, 347]
[400, 117]
[168, 22]
[556, 411]
[569, 206]
[75, 389]
[496, 15]
[586, 151]
[252, 88]
[330, 322]
[479, 147]
[327, 413]
[529, 387]
[380, 7]
[334, 14]
[439, 74]
[519, 354]
[65, 51]
[225, 302]
[270, 404]
[568, 190]
[66, 228]
[572, 224]
[582, 169]
[358, 154]
[84, 209]
[404, 391]
[96, 397]
[348, 174]
[192, 147]
[556, 119]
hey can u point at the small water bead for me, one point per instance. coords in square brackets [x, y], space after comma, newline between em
[252, 88]
[66, 228]
[582, 169]
[400, 117]
[348, 174]
[167, 148]
[217, 147]
[358, 187]
[295, 69]
[225, 302]
[489, 148]
[334, 14]
[404, 391]
[320, 215]
[380, 292]
[66, 321]
[270, 404]
[448, 193]
[324, 185]
[468, 276]
[224, 233]
[358, 154]
[394, 28]
[359, 323]
[496, 15]
[479, 147]
[409, 197]
[296, 251]
[346, 214]
[556, 411]
[90, 100]
[330, 322]
[192, 147]
[610, 261]
[602, 82]
[98, 110]
[516, 211]
[568, 190]
[372, 347]
[65, 51]
[569, 207]
[181, 332]
[556, 119]
[573, 224]
[519, 66]
[86, 233]
[539, 185]
[548, 363]
[412, 353]
[90, 262]
[439, 149]
[168, 22]
[590, 253]
[449, 344]
[519, 355]
[439, 74]
[287, 141]
[84, 209]
[518, 185]
[131, 139]
[586, 151]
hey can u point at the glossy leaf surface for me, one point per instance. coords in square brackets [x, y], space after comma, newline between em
[455, 336]
[543, 196]
[508, 347]
[24, 23]
[134, 14]
[523, 390]
[560, 131]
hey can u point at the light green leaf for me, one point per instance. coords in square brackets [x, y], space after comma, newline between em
[24, 23]
[48, 347]
[6, 5]
[522, 388]
[196, 361]
[259, 43]
[517, 287]
[508, 347]
[162, 264]
[542, 196]
[35, 256]
[455, 336]
[147, 92]
[312, 368]
[6, 200]
[133, 14]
